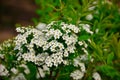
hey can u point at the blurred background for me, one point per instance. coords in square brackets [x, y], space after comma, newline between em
[14, 12]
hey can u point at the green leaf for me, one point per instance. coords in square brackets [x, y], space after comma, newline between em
[33, 71]
[84, 37]
[110, 57]
[109, 71]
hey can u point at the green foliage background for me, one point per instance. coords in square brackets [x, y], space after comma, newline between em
[105, 45]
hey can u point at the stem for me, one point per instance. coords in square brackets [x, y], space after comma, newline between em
[56, 76]
[51, 74]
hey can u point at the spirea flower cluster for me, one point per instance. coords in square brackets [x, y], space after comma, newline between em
[50, 47]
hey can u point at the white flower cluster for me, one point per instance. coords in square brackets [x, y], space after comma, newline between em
[42, 71]
[54, 43]
[51, 46]
[3, 70]
[79, 62]
[86, 27]
[77, 75]
[20, 76]
[14, 70]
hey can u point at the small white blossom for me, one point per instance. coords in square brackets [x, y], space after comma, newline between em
[77, 75]
[19, 29]
[97, 30]
[48, 61]
[14, 70]
[82, 66]
[84, 57]
[65, 62]
[91, 8]
[3, 70]
[89, 17]
[45, 68]
[85, 44]
[41, 72]
[89, 40]
[57, 34]
[85, 51]
[41, 26]
[86, 27]
[71, 49]
[80, 43]
[96, 76]
[27, 71]
[20, 76]
[66, 54]
[2, 56]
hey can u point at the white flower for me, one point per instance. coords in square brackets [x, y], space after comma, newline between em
[85, 51]
[2, 56]
[20, 39]
[61, 47]
[78, 63]
[95, 2]
[45, 68]
[97, 30]
[59, 60]
[89, 40]
[66, 54]
[14, 70]
[71, 48]
[65, 62]
[49, 25]
[84, 57]
[3, 70]
[96, 76]
[77, 75]
[41, 72]
[91, 8]
[85, 44]
[57, 34]
[86, 27]
[45, 47]
[73, 28]
[64, 26]
[82, 66]
[20, 76]
[19, 29]
[69, 39]
[27, 71]
[52, 48]
[41, 26]
[80, 43]
[48, 61]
